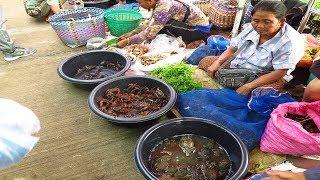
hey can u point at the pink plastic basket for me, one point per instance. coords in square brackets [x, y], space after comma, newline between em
[76, 27]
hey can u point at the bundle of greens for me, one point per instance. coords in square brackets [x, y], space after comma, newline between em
[179, 76]
[311, 52]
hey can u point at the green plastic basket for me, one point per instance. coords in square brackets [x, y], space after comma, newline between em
[122, 21]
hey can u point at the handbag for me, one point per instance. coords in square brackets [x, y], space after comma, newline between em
[234, 78]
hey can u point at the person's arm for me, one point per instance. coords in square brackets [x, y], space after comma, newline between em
[54, 5]
[262, 80]
[161, 16]
[226, 54]
[212, 69]
[285, 175]
[149, 33]
[55, 8]
[140, 28]
[283, 60]
[235, 43]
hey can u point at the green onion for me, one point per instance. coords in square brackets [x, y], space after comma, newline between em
[179, 76]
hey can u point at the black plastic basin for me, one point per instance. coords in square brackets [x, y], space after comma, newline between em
[68, 68]
[103, 4]
[123, 82]
[188, 125]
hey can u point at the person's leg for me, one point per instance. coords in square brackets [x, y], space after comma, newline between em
[312, 91]
[9, 50]
[6, 45]
[181, 29]
[40, 12]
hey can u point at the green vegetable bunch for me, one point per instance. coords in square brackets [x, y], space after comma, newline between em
[179, 76]
[311, 52]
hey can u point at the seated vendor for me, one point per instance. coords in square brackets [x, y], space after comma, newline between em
[172, 17]
[312, 91]
[271, 46]
[41, 9]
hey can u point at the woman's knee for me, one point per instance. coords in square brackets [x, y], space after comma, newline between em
[312, 91]
[206, 62]
[39, 11]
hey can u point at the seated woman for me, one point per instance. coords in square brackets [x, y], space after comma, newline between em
[271, 45]
[312, 91]
[172, 17]
[41, 9]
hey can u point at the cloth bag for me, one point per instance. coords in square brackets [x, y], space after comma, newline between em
[285, 136]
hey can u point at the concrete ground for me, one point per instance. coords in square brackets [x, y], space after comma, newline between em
[74, 143]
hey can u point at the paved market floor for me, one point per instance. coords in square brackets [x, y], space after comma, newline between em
[74, 143]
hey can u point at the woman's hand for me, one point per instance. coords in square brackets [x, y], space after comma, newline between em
[123, 43]
[213, 68]
[245, 89]
[284, 175]
[125, 36]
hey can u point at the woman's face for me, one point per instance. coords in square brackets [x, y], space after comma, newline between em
[266, 23]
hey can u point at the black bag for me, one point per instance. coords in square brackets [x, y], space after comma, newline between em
[234, 78]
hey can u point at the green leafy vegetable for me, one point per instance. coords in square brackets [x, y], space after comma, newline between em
[311, 52]
[261, 166]
[179, 76]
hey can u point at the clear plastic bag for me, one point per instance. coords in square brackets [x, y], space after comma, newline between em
[171, 51]
[17, 124]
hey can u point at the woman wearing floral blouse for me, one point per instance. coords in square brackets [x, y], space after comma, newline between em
[172, 17]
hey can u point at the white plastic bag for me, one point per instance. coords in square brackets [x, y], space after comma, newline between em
[168, 45]
[164, 44]
[170, 59]
[17, 123]
[17, 117]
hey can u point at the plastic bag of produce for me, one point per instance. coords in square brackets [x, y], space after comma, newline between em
[17, 123]
[166, 43]
[293, 129]
[152, 60]
[312, 47]
[170, 52]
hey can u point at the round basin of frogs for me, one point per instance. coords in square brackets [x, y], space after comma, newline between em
[88, 69]
[132, 99]
[190, 148]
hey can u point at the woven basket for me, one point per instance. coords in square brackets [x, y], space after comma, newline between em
[205, 6]
[76, 27]
[223, 13]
